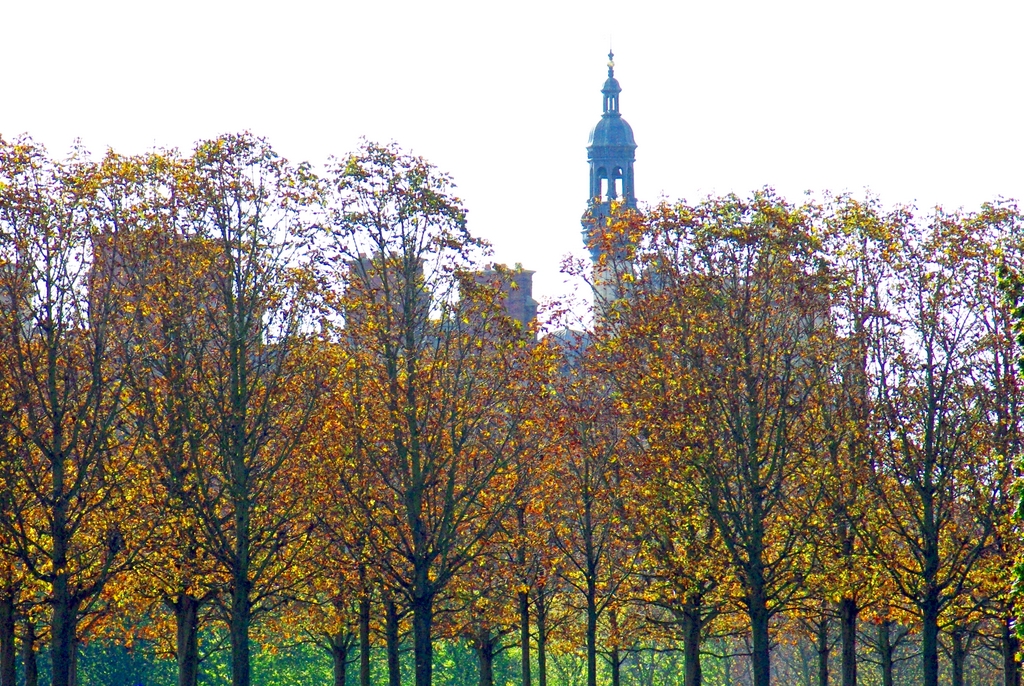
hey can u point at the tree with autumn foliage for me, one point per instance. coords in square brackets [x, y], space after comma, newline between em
[993, 245]
[483, 608]
[333, 613]
[68, 466]
[168, 274]
[748, 330]
[343, 574]
[997, 235]
[453, 381]
[984, 614]
[492, 597]
[592, 527]
[935, 468]
[260, 374]
[526, 550]
[15, 583]
[845, 576]
[683, 559]
[542, 573]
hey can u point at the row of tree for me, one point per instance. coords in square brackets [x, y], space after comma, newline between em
[246, 399]
[831, 391]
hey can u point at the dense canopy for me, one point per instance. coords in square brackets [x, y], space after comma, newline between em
[266, 423]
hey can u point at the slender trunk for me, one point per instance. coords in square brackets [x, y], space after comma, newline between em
[524, 636]
[591, 580]
[240, 616]
[64, 613]
[760, 658]
[929, 603]
[63, 622]
[822, 648]
[727, 670]
[524, 602]
[238, 628]
[1010, 644]
[423, 649]
[339, 656]
[7, 647]
[848, 611]
[484, 645]
[73, 679]
[958, 655]
[391, 641]
[885, 652]
[186, 619]
[805, 664]
[28, 654]
[542, 639]
[615, 639]
[591, 633]
[238, 444]
[930, 638]
[692, 622]
[364, 640]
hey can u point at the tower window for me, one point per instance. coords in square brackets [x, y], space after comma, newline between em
[604, 189]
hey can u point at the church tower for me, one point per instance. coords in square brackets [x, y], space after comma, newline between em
[611, 153]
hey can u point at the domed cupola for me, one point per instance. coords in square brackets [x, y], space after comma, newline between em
[611, 153]
[611, 88]
[611, 150]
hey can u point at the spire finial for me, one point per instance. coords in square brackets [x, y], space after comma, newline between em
[611, 63]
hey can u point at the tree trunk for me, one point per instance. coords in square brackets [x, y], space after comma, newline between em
[848, 611]
[391, 641]
[62, 618]
[542, 639]
[238, 445]
[616, 660]
[28, 654]
[760, 658]
[524, 602]
[238, 628]
[958, 655]
[591, 633]
[339, 656]
[8, 649]
[1010, 644]
[186, 620]
[63, 622]
[885, 651]
[822, 648]
[73, 679]
[805, 664]
[930, 638]
[364, 640]
[484, 645]
[422, 645]
[692, 621]
[524, 636]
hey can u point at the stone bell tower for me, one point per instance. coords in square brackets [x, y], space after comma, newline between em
[611, 153]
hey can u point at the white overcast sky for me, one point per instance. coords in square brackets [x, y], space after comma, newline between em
[918, 101]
